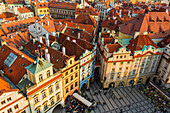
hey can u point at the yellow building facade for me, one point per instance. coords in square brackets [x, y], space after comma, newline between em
[41, 9]
[70, 81]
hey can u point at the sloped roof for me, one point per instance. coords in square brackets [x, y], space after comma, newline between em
[157, 22]
[24, 10]
[41, 5]
[87, 10]
[56, 57]
[4, 85]
[139, 42]
[114, 47]
[13, 72]
[38, 65]
[63, 5]
[164, 42]
[14, 1]
[85, 19]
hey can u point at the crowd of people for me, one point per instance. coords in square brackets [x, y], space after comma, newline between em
[156, 97]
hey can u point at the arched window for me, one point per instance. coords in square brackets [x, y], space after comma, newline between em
[48, 73]
[40, 78]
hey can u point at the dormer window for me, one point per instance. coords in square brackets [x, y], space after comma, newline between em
[40, 78]
[163, 32]
[151, 31]
[48, 73]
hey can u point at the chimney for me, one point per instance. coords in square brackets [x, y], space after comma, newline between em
[68, 38]
[78, 35]
[64, 50]
[47, 55]
[47, 39]
[40, 39]
[11, 36]
[37, 53]
[129, 13]
[42, 24]
[136, 34]
[34, 40]
[53, 33]
[22, 56]
[48, 23]
[115, 22]
[120, 12]
[74, 41]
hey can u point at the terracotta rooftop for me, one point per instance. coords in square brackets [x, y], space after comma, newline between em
[164, 42]
[139, 42]
[13, 72]
[15, 40]
[41, 5]
[113, 47]
[7, 15]
[21, 25]
[63, 5]
[88, 28]
[56, 57]
[85, 19]
[87, 10]
[53, 26]
[157, 24]
[14, 1]
[108, 41]
[73, 32]
[24, 10]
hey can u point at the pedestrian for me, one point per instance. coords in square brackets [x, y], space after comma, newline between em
[129, 105]
[114, 96]
[105, 93]
[121, 110]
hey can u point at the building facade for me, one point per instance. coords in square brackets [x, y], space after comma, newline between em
[11, 100]
[62, 10]
[133, 64]
[164, 68]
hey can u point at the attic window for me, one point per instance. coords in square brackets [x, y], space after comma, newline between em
[10, 59]
[159, 20]
[52, 57]
[163, 32]
[167, 20]
[23, 64]
[3, 49]
[132, 44]
[10, 71]
[151, 32]
[141, 46]
[137, 18]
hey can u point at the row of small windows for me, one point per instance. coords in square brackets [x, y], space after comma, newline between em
[71, 70]
[121, 63]
[121, 56]
[71, 78]
[10, 109]
[45, 105]
[4, 102]
[71, 87]
[41, 76]
[44, 93]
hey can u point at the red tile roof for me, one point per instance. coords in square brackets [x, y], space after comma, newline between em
[63, 5]
[87, 10]
[56, 57]
[113, 47]
[88, 28]
[18, 23]
[53, 26]
[24, 10]
[164, 42]
[139, 42]
[14, 73]
[156, 22]
[14, 1]
[108, 41]
[85, 19]
[4, 85]
[73, 32]
[7, 15]
[15, 40]
[41, 5]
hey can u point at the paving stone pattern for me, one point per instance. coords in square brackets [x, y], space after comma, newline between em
[138, 102]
